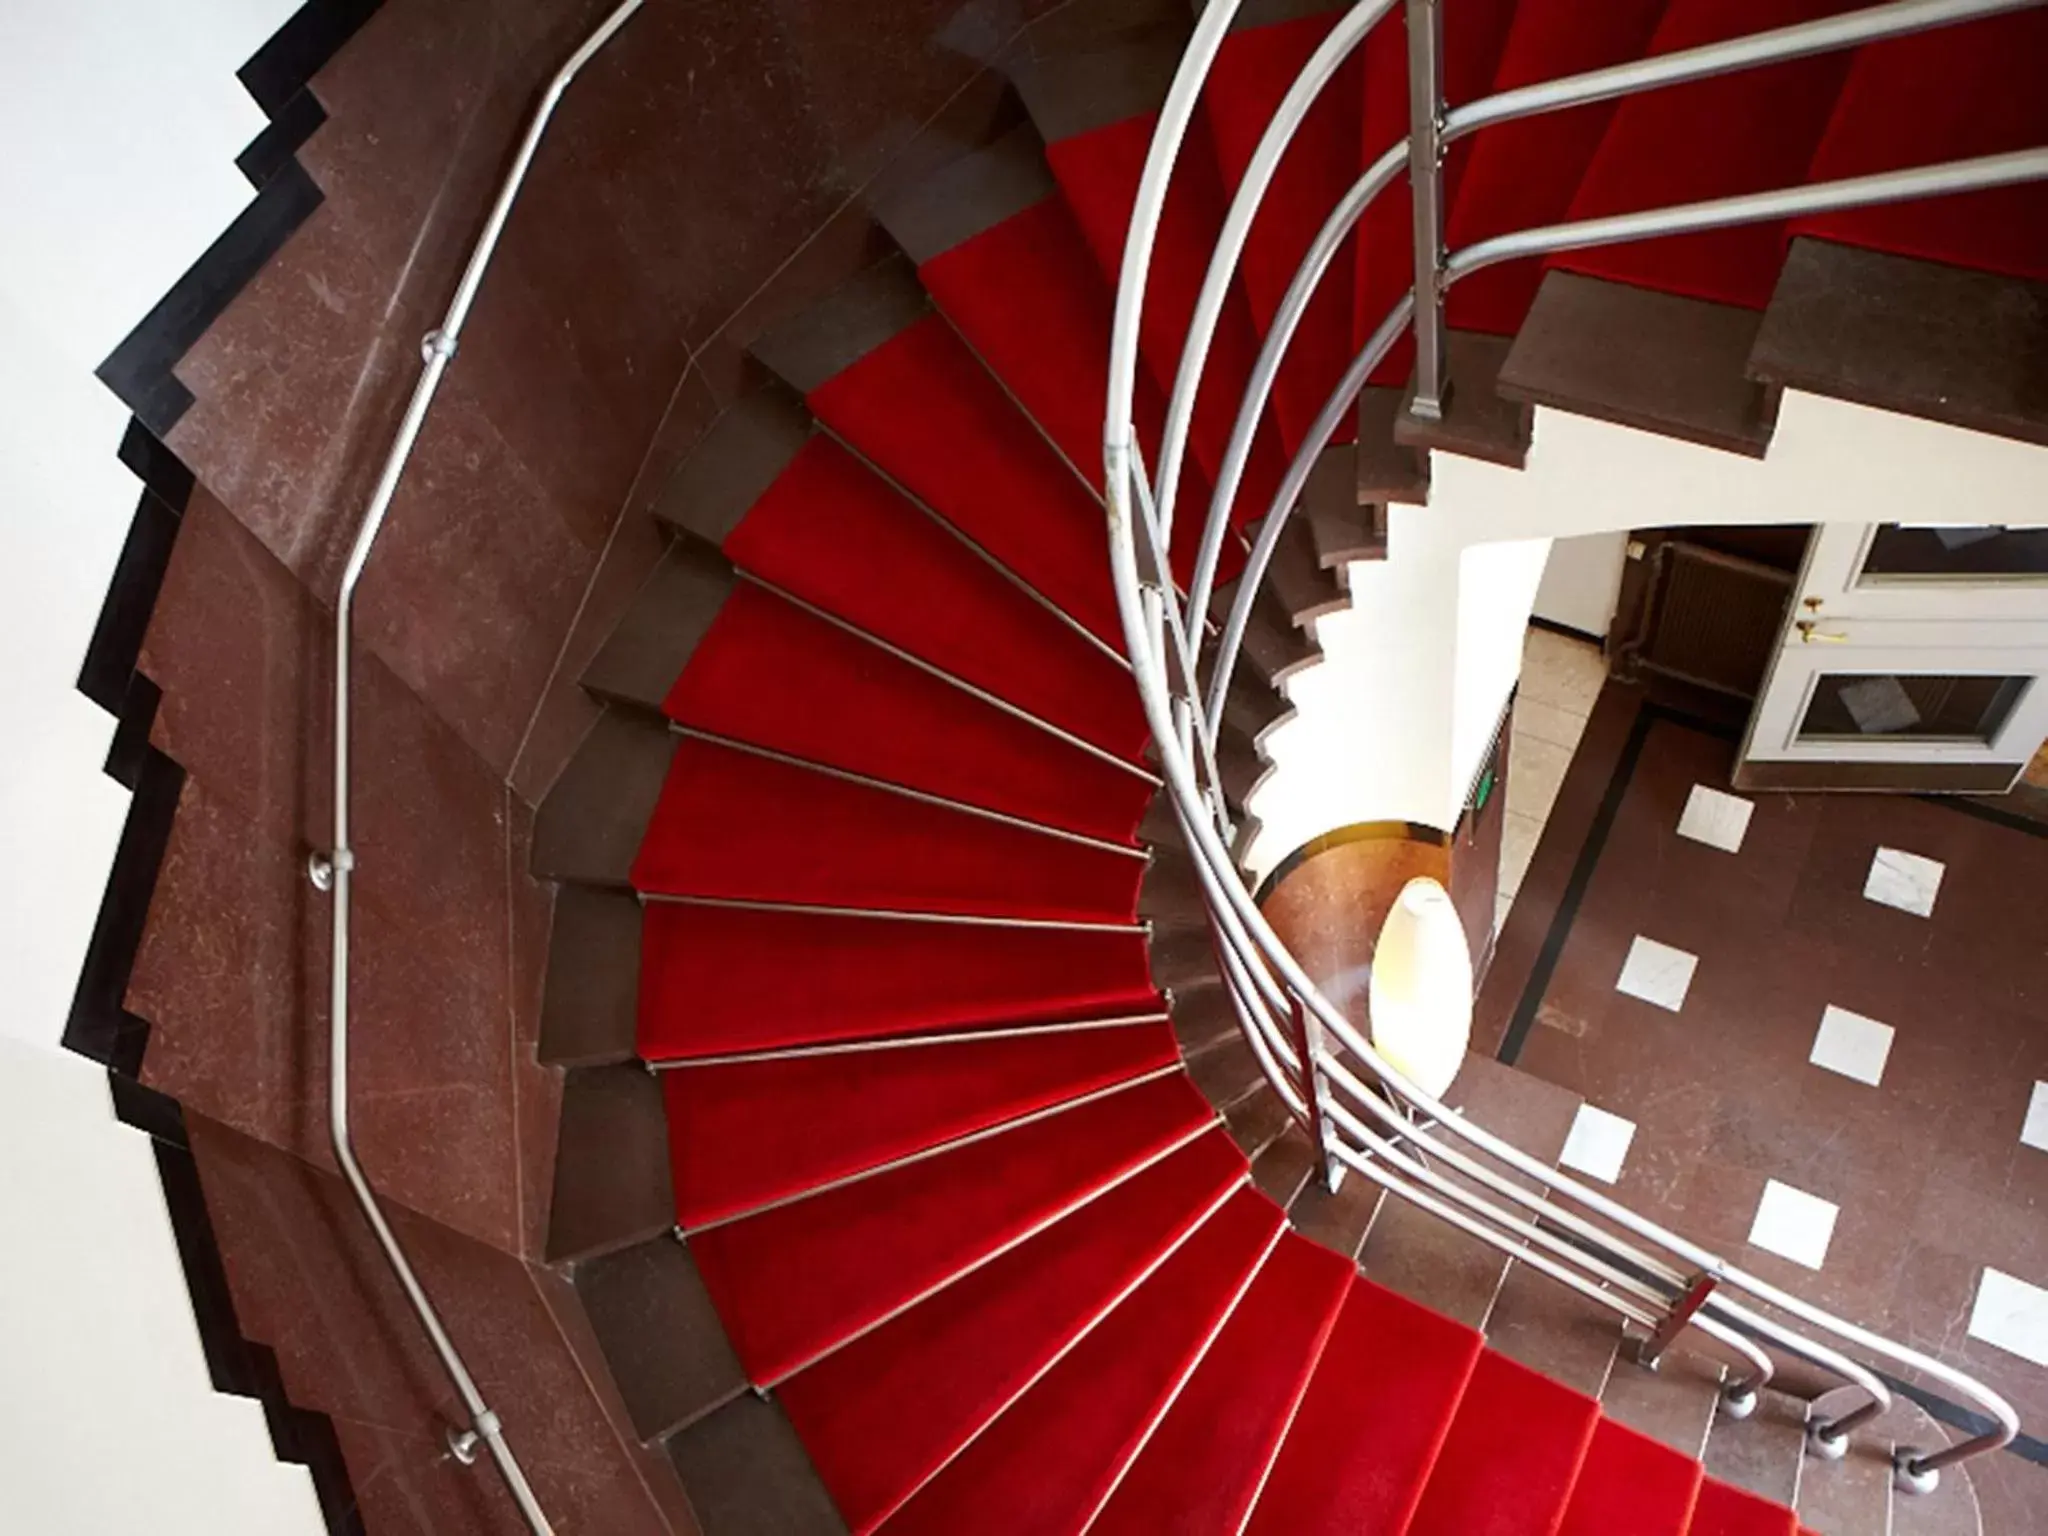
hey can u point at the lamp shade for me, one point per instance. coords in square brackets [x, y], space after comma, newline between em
[1421, 988]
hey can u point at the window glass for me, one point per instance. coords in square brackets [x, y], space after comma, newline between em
[1862, 705]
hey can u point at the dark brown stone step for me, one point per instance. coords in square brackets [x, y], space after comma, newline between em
[1478, 421]
[733, 464]
[1159, 824]
[1956, 1507]
[1170, 891]
[1228, 1072]
[1254, 706]
[589, 1009]
[1674, 1405]
[1660, 362]
[1554, 1330]
[1283, 1168]
[1273, 646]
[660, 1334]
[1427, 1259]
[1086, 66]
[611, 1164]
[1256, 1122]
[972, 193]
[1267, 13]
[825, 340]
[589, 827]
[1340, 1220]
[1850, 1496]
[747, 1474]
[1341, 528]
[1762, 1453]
[1182, 960]
[645, 653]
[1303, 586]
[1387, 469]
[1202, 1017]
[1928, 340]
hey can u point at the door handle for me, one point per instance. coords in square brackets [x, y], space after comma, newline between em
[1810, 633]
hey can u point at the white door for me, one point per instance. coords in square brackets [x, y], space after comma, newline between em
[1913, 658]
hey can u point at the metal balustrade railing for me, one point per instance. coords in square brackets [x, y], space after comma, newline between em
[1363, 1115]
[333, 870]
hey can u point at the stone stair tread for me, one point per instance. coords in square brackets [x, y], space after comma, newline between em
[1761, 1454]
[1675, 1404]
[1852, 1496]
[1228, 1072]
[1952, 1509]
[1917, 337]
[1272, 646]
[1387, 470]
[1549, 1327]
[1478, 421]
[1339, 1220]
[1306, 589]
[1285, 1165]
[1341, 528]
[1427, 1259]
[1660, 362]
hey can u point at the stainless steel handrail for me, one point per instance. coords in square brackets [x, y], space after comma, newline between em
[333, 871]
[1648, 1275]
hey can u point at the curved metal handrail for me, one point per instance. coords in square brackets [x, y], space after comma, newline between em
[333, 871]
[1650, 1276]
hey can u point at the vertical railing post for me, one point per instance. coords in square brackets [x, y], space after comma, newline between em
[1426, 190]
[1675, 1321]
[1308, 1045]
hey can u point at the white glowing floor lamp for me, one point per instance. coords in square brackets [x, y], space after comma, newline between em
[1421, 988]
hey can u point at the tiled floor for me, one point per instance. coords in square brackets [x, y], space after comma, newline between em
[1812, 1033]
[1561, 677]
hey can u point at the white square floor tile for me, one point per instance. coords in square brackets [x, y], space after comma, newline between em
[1598, 1143]
[1904, 880]
[1852, 1045]
[2011, 1314]
[2035, 1132]
[1657, 973]
[1715, 818]
[1793, 1224]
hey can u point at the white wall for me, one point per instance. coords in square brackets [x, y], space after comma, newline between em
[121, 119]
[1395, 721]
[1582, 582]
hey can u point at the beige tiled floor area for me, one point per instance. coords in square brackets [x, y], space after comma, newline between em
[1561, 677]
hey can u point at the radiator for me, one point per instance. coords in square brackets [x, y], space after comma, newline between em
[1712, 620]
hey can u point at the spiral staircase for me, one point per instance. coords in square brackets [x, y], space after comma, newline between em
[918, 1169]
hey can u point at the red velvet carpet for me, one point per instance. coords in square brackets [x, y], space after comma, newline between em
[933, 1150]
